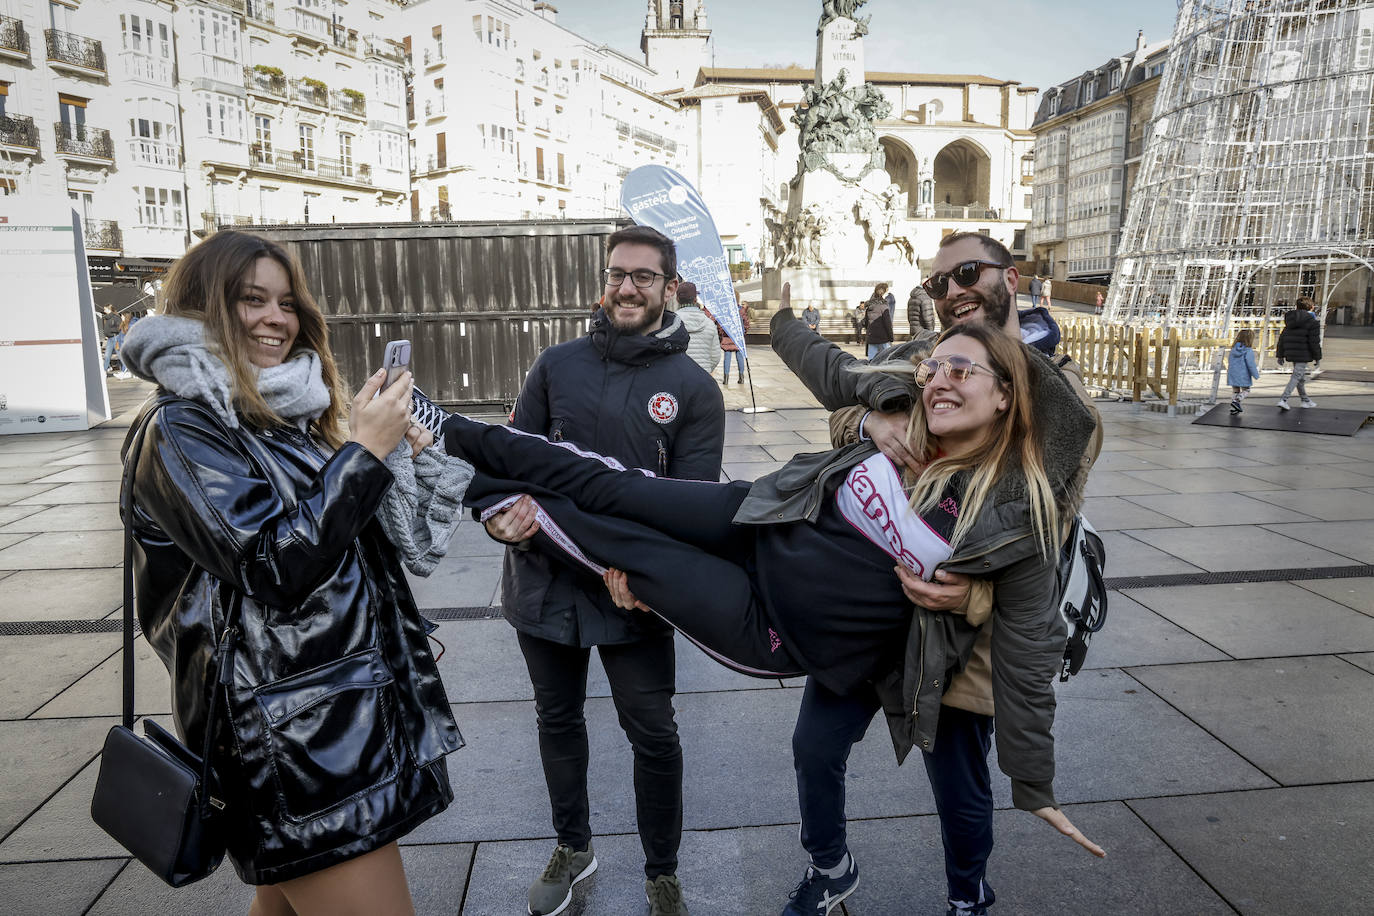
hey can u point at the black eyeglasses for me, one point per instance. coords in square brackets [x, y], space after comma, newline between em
[957, 369]
[644, 279]
[965, 274]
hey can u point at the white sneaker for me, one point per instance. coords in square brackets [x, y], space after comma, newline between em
[1283, 404]
[1308, 402]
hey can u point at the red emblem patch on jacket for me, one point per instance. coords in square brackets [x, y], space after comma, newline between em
[663, 408]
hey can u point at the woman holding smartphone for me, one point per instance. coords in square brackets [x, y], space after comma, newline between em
[256, 500]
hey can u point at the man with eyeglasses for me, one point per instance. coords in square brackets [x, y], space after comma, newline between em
[628, 390]
[973, 280]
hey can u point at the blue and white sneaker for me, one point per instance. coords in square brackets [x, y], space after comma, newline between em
[426, 413]
[817, 894]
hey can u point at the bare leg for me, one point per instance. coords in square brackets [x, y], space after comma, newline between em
[373, 884]
[269, 901]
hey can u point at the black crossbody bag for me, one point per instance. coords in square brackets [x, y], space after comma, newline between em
[154, 795]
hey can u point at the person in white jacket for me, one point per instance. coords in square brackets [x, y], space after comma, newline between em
[703, 348]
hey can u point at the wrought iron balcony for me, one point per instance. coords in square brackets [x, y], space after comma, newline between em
[18, 130]
[14, 41]
[84, 142]
[309, 166]
[102, 235]
[306, 94]
[260, 10]
[349, 104]
[64, 48]
[345, 39]
[212, 221]
[384, 48]
[273, 84]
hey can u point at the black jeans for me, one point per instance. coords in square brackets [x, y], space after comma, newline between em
[674, 539]
[829, 724]
[642, 686]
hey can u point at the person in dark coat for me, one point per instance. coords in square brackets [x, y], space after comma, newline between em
[877, 321]
[629, 390]
[1300, 343]
[253, 492]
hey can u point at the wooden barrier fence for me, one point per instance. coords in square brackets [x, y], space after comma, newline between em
[1122, 359]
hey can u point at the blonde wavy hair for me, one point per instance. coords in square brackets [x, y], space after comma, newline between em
[1010, 446]
[207, 283]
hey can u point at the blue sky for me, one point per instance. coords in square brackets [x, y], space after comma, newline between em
[1037, 42]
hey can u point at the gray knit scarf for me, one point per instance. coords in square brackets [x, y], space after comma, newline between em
[418, 514]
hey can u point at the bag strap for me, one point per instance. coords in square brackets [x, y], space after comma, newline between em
[225, 649]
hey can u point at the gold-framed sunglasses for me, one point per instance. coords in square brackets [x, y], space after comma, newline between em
[957, 369]
[965, 274]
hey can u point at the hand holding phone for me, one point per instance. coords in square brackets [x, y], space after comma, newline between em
[395, 360]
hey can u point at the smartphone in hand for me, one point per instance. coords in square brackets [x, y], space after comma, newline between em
[395, 360]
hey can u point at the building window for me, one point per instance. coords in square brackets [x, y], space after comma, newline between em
[1027, 168]
[160, 207]
[307, 137]
[561, 174]
[1116, 79]
[1054, 104]
[262, 138]
[1089, 91]
[153, 134]
[346, 154]
[224, 116]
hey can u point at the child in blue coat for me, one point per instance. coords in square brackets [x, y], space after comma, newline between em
[1241, 369]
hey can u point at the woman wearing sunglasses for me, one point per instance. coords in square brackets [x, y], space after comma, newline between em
[802, 570]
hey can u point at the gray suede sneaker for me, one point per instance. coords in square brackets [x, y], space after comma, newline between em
[664, 894]
[551, 892]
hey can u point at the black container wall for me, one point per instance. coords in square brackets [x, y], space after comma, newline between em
[478, 301]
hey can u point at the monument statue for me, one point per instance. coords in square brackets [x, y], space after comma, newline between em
[832, 10]
[835, 118]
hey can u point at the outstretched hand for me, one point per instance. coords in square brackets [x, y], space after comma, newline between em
[1060, 821]
[786, 301]
[618, 584]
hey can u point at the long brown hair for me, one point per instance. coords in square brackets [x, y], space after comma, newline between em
[206, 284]
[1010, 445]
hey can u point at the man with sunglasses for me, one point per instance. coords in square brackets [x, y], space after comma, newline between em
[628, 390]
[973, 280]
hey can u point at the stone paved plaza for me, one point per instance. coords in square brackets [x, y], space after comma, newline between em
[1220, 744]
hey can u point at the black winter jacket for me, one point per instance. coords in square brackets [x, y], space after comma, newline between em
[1300, 341]
[637, 398]
[337, 724]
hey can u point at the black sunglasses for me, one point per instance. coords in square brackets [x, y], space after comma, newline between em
[965, 274]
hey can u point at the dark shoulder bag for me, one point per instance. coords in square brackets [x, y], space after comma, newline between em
[153, 794]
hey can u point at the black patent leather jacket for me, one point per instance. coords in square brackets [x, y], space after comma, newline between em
[337, 722]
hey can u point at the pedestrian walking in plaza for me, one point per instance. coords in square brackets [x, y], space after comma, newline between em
[1046, 290]
[1036, 287]
[1241, 369]
[627, 389]
[1098, 301]
[857, 320]
[730, 348]
[878, 321]
[1300, 343]
[111, 329]
[703, 345]
[264, 518]
[801, 564]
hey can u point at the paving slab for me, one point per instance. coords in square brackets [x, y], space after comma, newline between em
[86, 473]
[1136, 635]
[9, 540]
[1216, 509]
[455, 582]
[1114, 739]
[1364, 660]
[470, 539]
[1328, 505]
[1130, 556]
[745, 454]
[36, 758]
[1357, 594]
[22, 474]
[100, 692]
[1301, 720]
[1240, 547]
[1304, 453]
[788, 452]
[75, 517]
[1201, 480]
[75, 494]
[1119, 483]
[1183, 459]
[1310, 476]
[1354, 539]
[64, 550]
[11, 493]
[1262, 619]
[11, 514]
[34, 669]
[769, 437]
[60, 594]
[56, 888]
[1276, 851]
[1113, 513]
